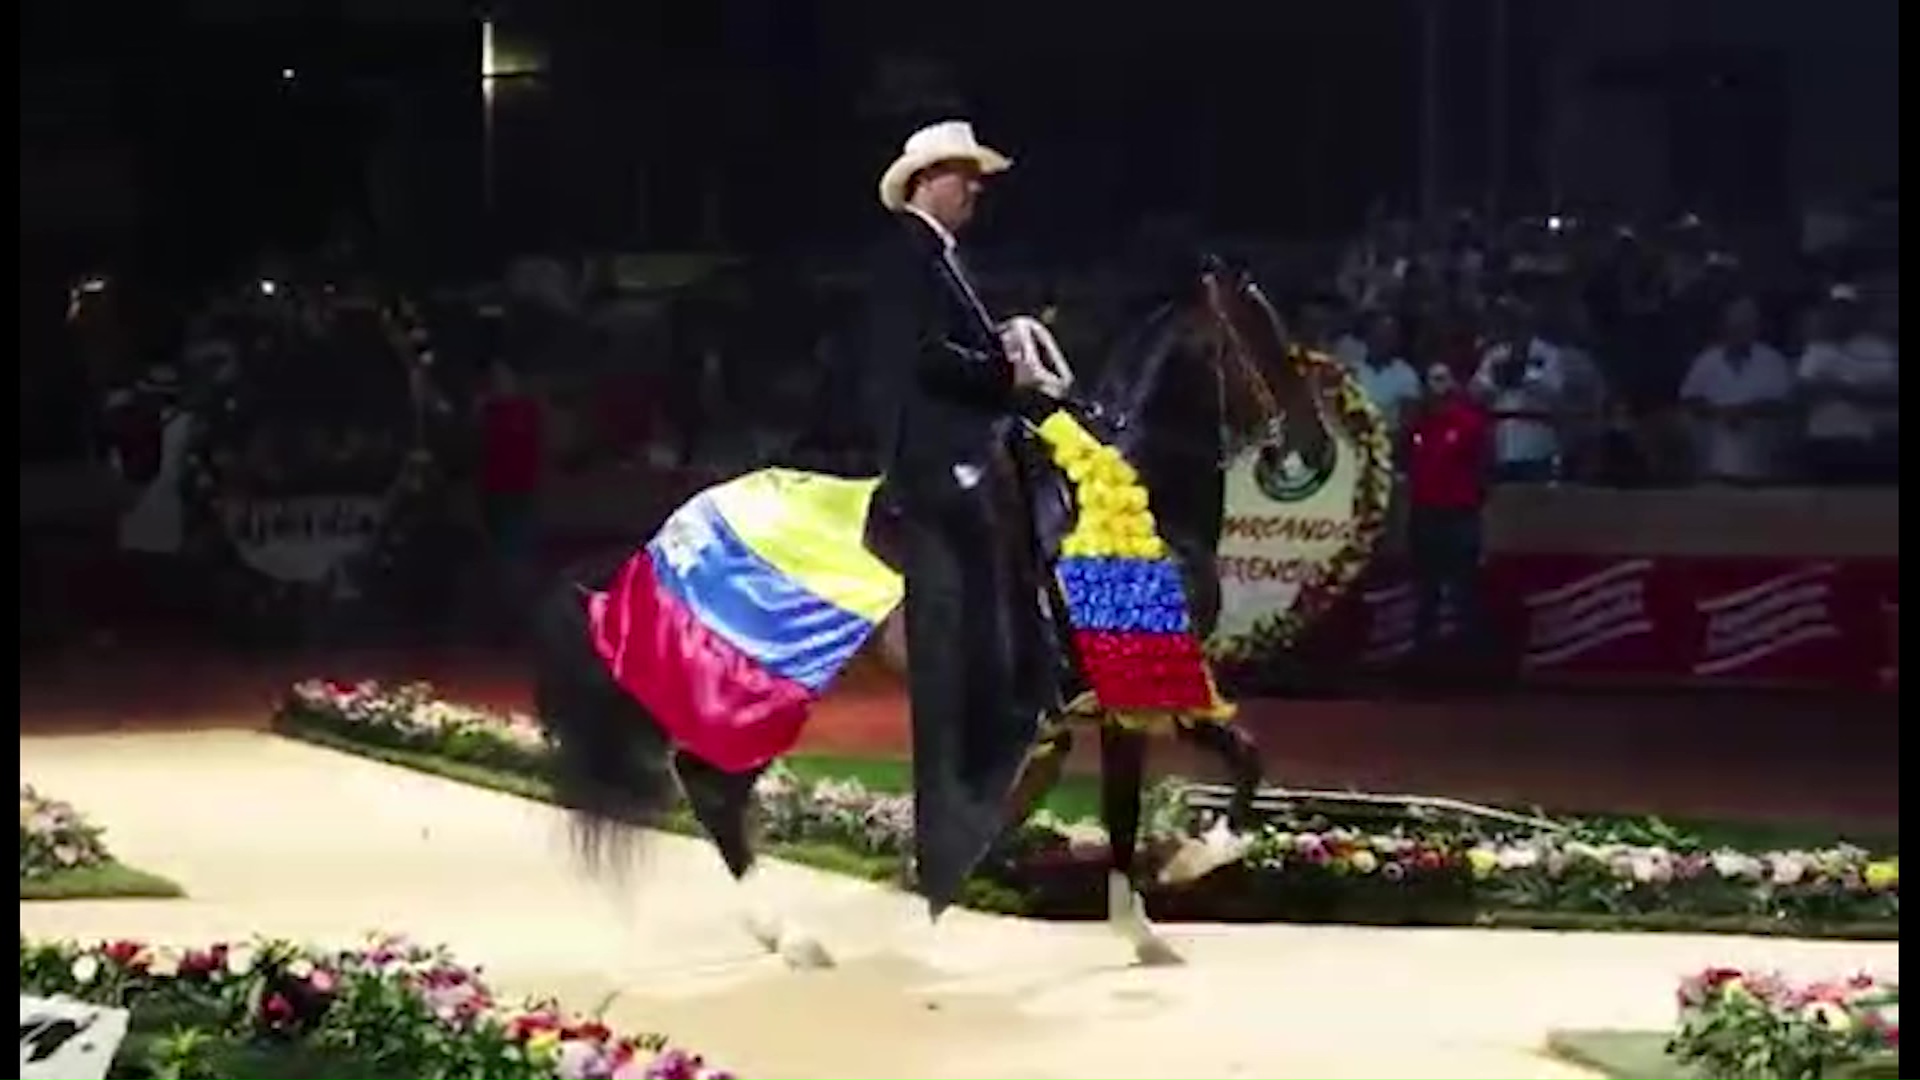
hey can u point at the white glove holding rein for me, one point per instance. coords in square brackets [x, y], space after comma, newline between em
[1036, 356]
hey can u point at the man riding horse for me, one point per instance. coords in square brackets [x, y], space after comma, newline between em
[685, 668]
[949, 387]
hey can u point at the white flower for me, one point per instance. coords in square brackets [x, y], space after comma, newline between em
[1736, 864]
[165, 963]
[239, 959]
[1647, 868]
[1363, 862]
[1788, 868]
[1085, 837]
[85, 969]
[1518, 857]
[1828, 1015]
[301, 968]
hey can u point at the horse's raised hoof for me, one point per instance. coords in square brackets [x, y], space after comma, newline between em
[802, 951]
[1127, 917]
[763, 928]
[1199, 856]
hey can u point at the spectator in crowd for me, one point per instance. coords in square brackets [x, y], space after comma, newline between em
[1583, 407]
[1522, 382]
[1850, 379]
[1448, 446]
[1739, 394]
[1383, 372]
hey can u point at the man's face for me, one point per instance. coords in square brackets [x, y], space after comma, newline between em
[1440, 381]
[948, 191]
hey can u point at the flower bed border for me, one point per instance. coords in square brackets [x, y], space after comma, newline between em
[111, 880]
[242, 1008]
[90, 871]
[1735, 1023]
[1043, 873]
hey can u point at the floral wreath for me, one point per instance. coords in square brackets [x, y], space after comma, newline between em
[1344, 402]
[406, 501]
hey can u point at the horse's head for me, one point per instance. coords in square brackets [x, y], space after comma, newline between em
[1207, 373]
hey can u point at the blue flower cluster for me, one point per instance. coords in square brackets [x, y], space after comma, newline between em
[1127, 595]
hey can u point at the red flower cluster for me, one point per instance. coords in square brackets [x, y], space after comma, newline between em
[1140, 672]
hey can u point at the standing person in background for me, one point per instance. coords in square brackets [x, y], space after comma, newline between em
[512, 464]
[1448, 448]
[1850, 379]
[1739, 393]
[1584, 414]
[1522, 383]
[1383, 372]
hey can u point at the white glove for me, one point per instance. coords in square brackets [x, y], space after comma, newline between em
[1036, 357]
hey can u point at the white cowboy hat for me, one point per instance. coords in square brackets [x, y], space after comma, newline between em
[950, 140]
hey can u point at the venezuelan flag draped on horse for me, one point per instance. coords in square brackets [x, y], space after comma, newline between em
[691, 664]
[755, 594]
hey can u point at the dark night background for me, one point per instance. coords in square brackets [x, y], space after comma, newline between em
[163, 136]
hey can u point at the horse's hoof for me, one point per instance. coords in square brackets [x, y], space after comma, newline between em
[1150, 951]
[803, 952]
[1127, 918]
[1202, 855]
[763, 929]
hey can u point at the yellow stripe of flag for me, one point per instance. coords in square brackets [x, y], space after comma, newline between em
[811, 527]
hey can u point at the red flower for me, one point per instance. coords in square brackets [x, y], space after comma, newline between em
[1713, 978]
[591, 1030]
[276, 1010]
[198, 963]
[124, 953]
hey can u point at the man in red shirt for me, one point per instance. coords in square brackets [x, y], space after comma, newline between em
[1449, 448]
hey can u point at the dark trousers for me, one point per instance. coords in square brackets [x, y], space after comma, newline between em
[1443, 545]
[975, 684]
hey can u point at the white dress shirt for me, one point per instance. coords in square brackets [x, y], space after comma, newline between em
[1542, 384]
[1746, 449]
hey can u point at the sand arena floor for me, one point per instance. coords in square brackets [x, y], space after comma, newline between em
[273, 837]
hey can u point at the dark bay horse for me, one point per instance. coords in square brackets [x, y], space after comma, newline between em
[1176, 395]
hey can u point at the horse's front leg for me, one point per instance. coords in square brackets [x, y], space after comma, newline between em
[722, 802]
[1123, 774]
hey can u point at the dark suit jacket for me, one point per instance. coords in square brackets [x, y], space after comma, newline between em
[939, 386]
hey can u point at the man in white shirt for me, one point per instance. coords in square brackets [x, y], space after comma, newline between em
[1739, 393]
[1521, 380]
[1850, 379]
[1389, 381]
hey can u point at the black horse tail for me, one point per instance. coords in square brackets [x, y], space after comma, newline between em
[611, 763]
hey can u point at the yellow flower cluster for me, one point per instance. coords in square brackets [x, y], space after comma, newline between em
[1114, 519]
[1883, 874]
